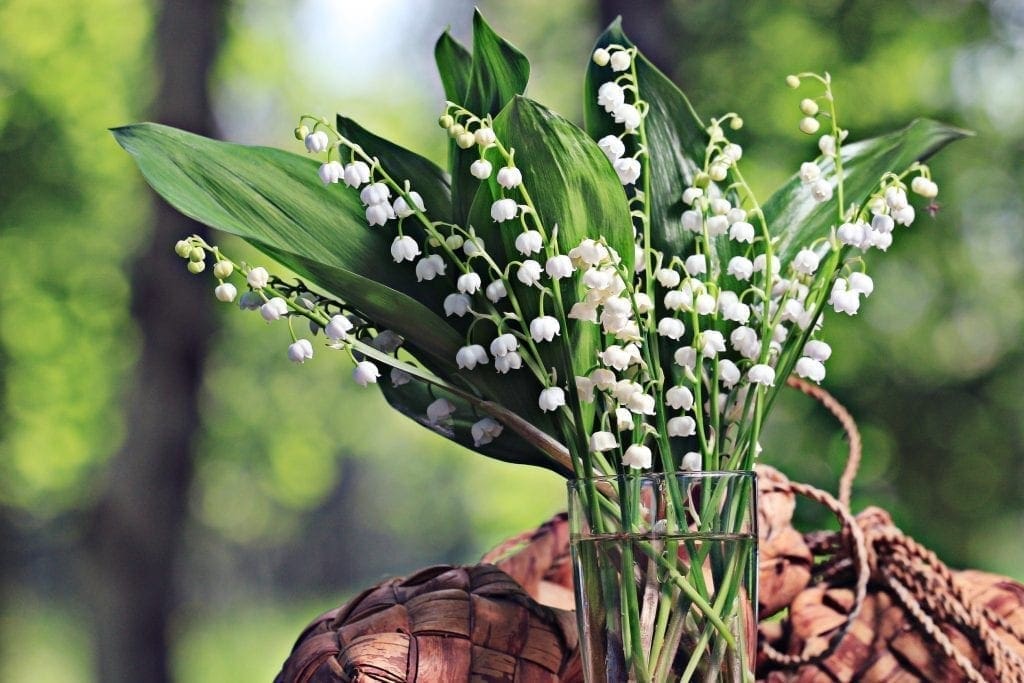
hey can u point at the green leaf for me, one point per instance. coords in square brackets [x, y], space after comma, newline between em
[796, 220]
[676, 140]
[275, 201]
[455, 64]
[572, 186]
[411, 399]
[499, 72]
[424, 176]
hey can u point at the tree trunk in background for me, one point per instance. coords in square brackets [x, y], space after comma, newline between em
[137, 525]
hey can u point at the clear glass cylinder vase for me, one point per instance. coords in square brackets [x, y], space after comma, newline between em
[665, 575]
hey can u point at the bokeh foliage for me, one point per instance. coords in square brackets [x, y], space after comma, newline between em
[296, 462]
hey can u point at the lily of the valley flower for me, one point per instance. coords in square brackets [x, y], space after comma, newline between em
[404, 248]
[317, 142]
[429, 267]
[300, 351]
[602, 441]
[504, 210]
[402, 208]
[480, 169]
[681, 426]
[468, 357]
[529, 272]
[495, 291]
[691, 462]
[365, 373]
[331, 172]
[257, 277]
[510, 361]
[356, 173]
[274, 309]
[457, 305]
[469, 283]
[638, 457]
[811, 369]
[225, 292]
[612, 147]
[504, 344]
[559, 266]
[509, 177]
[440, 410]
[762, 374]
[544, 328]
[337, 328]
[485, 431]
[551, 398]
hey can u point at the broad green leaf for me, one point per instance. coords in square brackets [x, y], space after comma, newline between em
[455, 64]
[572, 186]
[676, 141]
[411, 399]
[424, 176]
[797, 220]
[274, 200]
[499, 72]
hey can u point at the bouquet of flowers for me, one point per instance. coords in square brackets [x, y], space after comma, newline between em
[611, 302]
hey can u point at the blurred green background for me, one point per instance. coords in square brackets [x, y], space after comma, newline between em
[177, 500]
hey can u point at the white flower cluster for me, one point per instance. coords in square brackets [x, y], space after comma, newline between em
[612, 96]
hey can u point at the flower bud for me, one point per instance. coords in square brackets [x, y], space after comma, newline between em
[301, 132]
[445, 121]
[257, 277]
[183, 248]
[223, 269]
[456, 129]
[808, 106]
[620, 60]
[465, 140]
[196, 254]
[809, 125]
[821, 190]
[196, 267]
[718, 172]
[762, 374]
[792, 81]
[225, 292]
[601, 57]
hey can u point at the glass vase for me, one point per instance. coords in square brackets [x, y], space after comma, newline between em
[665, 572]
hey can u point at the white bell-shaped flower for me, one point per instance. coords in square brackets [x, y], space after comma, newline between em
[741, 231]
[559, 266]
[827, 145]
[503, 344]
[457, 305]
[317, 142]
[510, 361]
[809, 172]
[603, 441]
[673, 328]
[356, 173]
[495, 291]
[529, 272]
[628, 116]
[589, 253]
[612, 146]
[404, 248]
[440, 410]
[679, 397]
[544, 328]
[806, 262]
[585, 389]
[365, 373]
[896, 198]
[480, 169]
[485, 431]
[331, 172]
[637, 456]
[744, 340]
[529, 242]
[667, 277]
[679, 300]
[691, 462]
[705, 304]
[300, 351]
[623, 420]
[717, 225]
[685, 357]
[711, 343]
[471, 355]
[429, 267]
[585, 311]
[861, 283]
[821, 190]
[851, 234]
[641, 403]
[468, 283]
[375, 193]
[643, 303]
[682, 426]
[696, 264]
[616, 357]
[740, 267]
[337, 327]
[225, 292]
[378, 214]
[691, 194]
[602, 378]
[628, 170]
[904, 216]
[274, 309]
[843, 300]
[693, 221]
[509, 177]
[761, 374]
[611, 96]
[818, 350]
[620, 60]
[551, 398]
[811, 369]
[402, 208]
[257, 277]
[728, 373]
[485, 136]
[504, 210]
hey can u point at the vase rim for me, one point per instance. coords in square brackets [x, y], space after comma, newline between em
[660, 476]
